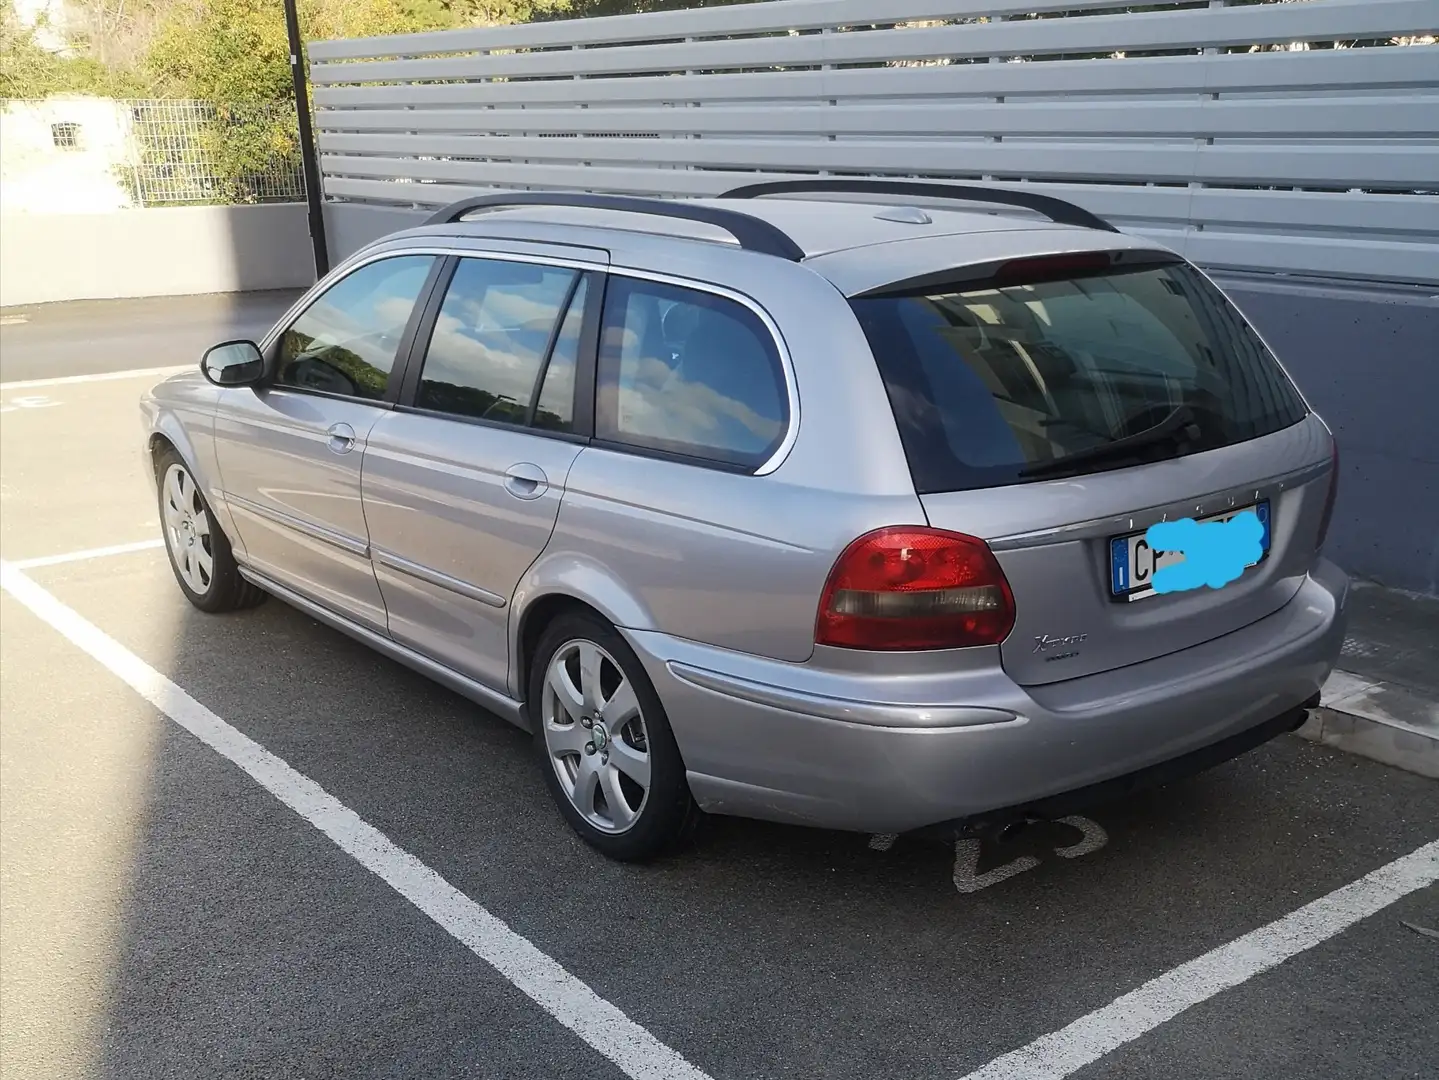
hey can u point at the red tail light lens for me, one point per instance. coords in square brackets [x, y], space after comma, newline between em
[1333, 493]
[908, 587]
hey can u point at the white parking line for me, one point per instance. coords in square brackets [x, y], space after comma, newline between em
[631, 1047]
[1089, 1038]
[81, 556]
[106, 376]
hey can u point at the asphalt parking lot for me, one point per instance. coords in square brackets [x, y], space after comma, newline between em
[245, 846]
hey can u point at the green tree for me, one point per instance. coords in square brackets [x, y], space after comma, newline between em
[235, 53]
[29, 71]
[631, 7]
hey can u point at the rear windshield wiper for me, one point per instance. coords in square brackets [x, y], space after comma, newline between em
[1178, 427]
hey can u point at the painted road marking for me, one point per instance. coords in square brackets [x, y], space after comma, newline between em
[967, 852]
[29, 401]
[1064, 1052]
[68, 380]
[91, 553]
[628, 1045]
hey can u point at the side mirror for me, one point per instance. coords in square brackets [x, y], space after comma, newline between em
[234, 363]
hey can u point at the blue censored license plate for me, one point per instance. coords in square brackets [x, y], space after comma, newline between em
[1133, 563]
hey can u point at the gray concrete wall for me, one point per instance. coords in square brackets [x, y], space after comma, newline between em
[167, 251]
[1368, 361]
[350, 226]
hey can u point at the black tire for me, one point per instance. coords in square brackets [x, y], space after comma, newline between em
[667, 815]
[222, 588]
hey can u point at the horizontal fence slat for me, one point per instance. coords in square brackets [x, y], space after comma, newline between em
[1203, 28]
[1367, 117]
[1335, 257]
[1374, 260]
[700, 23]
[1411, 67]
[1250, 163]
[1416, 218]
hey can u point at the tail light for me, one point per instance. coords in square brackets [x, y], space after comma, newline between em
[909, 587]
[1333, 493]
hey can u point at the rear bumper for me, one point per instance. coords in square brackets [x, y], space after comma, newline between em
[844, 750]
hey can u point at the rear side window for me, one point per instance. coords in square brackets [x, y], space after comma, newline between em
[1001, 385]
[491, 337]
[685, 372]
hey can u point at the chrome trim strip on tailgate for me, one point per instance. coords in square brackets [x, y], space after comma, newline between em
[1138, 520]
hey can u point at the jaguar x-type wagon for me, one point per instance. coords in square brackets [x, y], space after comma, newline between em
[827, 508]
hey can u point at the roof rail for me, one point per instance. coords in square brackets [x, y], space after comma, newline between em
[752, 233]
[1057, 210]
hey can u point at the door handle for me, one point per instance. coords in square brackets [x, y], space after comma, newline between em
[526, 481]
[342, 438]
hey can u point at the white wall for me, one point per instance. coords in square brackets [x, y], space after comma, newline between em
[167, 251]
[36, 176]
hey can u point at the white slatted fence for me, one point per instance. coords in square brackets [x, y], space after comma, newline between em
[1182, 123]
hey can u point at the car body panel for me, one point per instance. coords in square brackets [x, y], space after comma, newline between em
[450, 541]
[294, 500]
[731, 560]
[181, 410]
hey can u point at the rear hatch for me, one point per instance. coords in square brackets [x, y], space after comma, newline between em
[1058, 407]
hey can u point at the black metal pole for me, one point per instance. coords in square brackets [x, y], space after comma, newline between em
[308, 155]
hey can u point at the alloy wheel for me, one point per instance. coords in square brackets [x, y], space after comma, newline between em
[188, 532]
[595, 734]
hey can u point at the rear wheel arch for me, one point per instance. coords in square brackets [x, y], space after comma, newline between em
[536, 617]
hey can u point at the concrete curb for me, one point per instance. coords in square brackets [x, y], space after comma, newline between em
[1386, 722]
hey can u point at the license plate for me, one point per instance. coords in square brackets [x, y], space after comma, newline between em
[1133, 562]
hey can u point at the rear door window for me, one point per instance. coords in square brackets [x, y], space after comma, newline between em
[686, 372]
[996, 385]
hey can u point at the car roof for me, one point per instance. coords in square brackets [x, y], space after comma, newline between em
[858, 242]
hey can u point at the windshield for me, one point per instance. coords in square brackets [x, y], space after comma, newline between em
[997, 385]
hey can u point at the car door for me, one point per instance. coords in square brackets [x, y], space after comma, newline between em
[463, 478]
[290, 452]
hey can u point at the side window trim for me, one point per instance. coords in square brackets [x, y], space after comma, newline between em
[587, 359]
[776, 339]
[555, 332]
[417, 340]
[276, 336]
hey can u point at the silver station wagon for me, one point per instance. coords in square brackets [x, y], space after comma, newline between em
[824, 502]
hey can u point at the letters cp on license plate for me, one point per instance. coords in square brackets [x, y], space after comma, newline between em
[1133, 562]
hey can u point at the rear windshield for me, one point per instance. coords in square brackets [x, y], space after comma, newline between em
[1000, 385]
